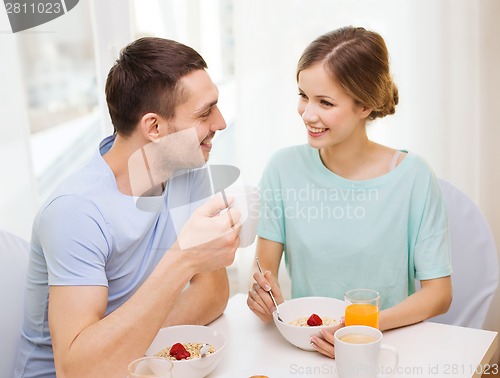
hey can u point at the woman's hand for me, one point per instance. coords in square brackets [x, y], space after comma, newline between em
[324, 343]
[259, 300]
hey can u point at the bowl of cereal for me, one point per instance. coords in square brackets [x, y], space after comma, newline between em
[306, 316]
[185, 346]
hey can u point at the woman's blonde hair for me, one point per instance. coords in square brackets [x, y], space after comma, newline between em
[359, 61]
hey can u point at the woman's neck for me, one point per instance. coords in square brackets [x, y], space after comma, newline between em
[356, 159]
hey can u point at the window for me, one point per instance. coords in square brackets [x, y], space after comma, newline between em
[58, 68]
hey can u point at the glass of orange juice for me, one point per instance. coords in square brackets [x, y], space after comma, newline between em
[362, 307]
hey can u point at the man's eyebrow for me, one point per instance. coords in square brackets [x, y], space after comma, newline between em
[205, 107]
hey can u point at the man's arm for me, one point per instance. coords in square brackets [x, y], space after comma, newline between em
[88, 344]
[203, 301]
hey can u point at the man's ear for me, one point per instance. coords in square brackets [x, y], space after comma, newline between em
[149, 127]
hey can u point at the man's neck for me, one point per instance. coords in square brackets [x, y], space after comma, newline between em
[117, 157]
[138, 166]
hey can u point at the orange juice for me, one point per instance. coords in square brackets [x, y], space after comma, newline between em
[361, 314]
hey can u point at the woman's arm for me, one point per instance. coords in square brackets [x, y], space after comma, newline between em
[434, 298]
[259, 300]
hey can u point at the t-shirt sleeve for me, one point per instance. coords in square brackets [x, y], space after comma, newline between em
[72, 233]
[272, 215]
[432, 248]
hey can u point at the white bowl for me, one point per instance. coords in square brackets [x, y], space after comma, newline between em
[197, 367]
[294, 309]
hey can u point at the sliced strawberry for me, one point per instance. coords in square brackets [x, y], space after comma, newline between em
[176, 349]
[314, 320]
[182, 355]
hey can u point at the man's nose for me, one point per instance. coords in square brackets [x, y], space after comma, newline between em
[219, 121]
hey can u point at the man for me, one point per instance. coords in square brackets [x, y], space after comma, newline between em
[107, 271]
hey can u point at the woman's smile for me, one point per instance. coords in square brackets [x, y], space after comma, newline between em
[316, 132]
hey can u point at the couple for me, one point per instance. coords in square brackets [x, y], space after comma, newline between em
[106, 274]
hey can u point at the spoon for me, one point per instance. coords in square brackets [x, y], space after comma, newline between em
[270, 292]
[204, 350]
[227, 206]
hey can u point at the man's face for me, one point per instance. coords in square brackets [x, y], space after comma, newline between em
[199, 112]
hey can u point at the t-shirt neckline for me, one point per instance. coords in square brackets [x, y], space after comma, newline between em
[399, 170]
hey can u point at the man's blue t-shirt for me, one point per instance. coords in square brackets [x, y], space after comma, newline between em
[341, 234]
[89, 233]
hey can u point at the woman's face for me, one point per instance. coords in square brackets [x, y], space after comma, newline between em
[330, 115]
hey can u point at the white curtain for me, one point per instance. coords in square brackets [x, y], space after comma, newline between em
[18, 198]
[445, 57]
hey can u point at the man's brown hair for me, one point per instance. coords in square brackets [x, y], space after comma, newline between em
[146, 78]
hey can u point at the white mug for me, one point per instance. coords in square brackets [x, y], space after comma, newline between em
[246, 200]
[357, 353]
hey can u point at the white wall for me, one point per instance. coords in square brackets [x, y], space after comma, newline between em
[112, 30]
[489, 123]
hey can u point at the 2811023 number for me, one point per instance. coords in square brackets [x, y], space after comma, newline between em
[486, 369]
[40, 8]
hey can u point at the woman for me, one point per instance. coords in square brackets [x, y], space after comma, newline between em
[348, 212]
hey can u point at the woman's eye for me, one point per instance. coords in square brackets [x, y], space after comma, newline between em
[326, 103]
[303, 95]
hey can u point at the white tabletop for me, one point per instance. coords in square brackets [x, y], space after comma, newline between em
[425, 349]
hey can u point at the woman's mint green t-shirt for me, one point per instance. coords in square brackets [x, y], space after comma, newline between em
[340, 234]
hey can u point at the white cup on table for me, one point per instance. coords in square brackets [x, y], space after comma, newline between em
[358, 350]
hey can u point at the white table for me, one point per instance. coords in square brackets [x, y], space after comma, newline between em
[425, 349]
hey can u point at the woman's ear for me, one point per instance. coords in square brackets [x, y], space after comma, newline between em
[149, 127]
[364, 111]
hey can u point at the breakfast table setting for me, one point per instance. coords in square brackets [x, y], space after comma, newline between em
[425, 349]
[243, 346]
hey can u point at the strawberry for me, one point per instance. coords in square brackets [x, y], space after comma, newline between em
[314, 320]
[182, 355]
[176, 349]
